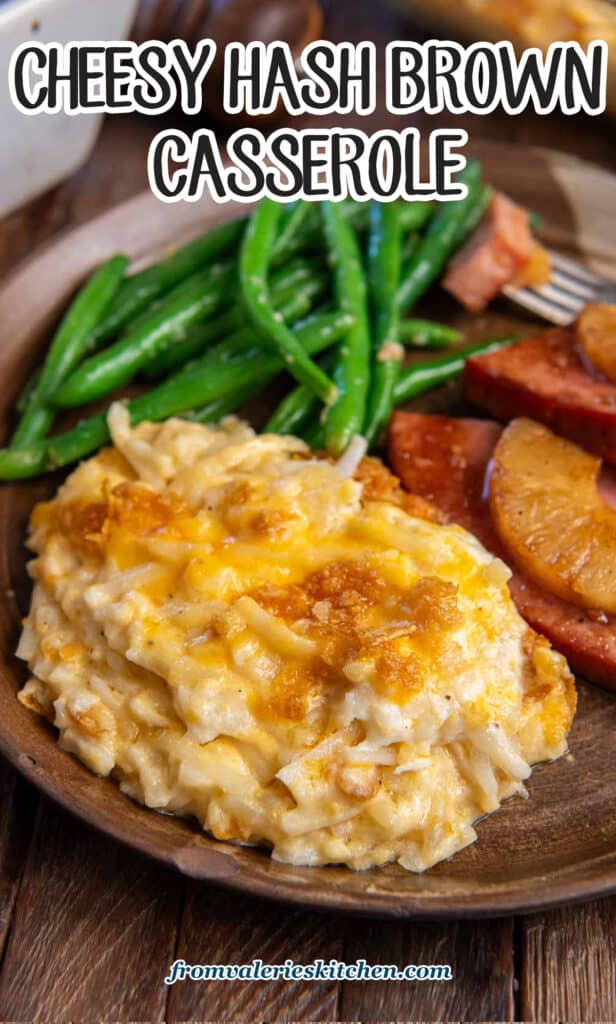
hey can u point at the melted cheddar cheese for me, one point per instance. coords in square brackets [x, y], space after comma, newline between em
[238, 632]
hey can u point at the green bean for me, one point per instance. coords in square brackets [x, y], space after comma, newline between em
[296, 408]
[36, 422]
[474, 214]
[440, 240]
[422, 377]
[245, 342]
[427, 334]
[141, 289]
[255, 255]
[25, 397]
[314, 434]
[306, 237]
[293, 412]
[355, 213]
[317, 332]
[193, 300]
[413, 216]
[292, 222]
[291, 278]
[189, 391]
[346, 416]
[172, 398]
[309, 235]
[214, 411]
[195, 340]
[409, 245]
[67, 347]
[384, 244]
[22, 463]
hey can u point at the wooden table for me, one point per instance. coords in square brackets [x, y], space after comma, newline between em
[88, 928]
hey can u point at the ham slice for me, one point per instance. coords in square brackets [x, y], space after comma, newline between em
[544, 378]
[494, 255]
[445, 461]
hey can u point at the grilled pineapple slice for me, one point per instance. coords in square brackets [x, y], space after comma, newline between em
[596, 334]
[551, 517]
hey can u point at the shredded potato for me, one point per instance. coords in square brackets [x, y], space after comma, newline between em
[242, 632]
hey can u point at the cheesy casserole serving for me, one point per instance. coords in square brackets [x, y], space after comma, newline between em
[237, 631]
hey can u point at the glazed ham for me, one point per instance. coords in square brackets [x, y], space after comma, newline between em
[445, 461]
[545, 379]
[495, 254]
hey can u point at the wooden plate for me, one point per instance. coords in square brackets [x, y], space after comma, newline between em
[557, 847]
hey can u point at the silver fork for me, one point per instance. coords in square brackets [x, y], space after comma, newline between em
[570, 288]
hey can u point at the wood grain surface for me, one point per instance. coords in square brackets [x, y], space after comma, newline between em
[568, 964]
[60, 880]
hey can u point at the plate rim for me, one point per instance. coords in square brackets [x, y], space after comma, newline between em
[601, 883]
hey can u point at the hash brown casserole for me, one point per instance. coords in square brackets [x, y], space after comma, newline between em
[237, 631]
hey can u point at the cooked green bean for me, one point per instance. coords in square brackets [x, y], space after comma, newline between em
[309, 236]
[314, 434]
[305, 238]
[409, 244]
[442, 237]
[197, 338]
[296, 408]
[188, 391]
[67, 347]
[36, 422]
[255, 256]
[474, 213]
[174, 397]
[293, 278]
[141, 289]
[245, 342]
[427, 334]
[416, 380]
[22, 463]
[291, 225]
[383, 266]
[293, 412]
[413, 216]
[351, 374]
[214, 411]
[193, 300]
[24, 398]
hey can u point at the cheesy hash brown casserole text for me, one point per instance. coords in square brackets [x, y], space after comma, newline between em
[236, 631]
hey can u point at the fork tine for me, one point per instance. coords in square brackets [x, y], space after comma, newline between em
[542, 307]
[568, 284]
[561, 296]
[573, 269]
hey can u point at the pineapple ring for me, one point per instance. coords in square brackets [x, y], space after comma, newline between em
[596, 334]
[551, 517]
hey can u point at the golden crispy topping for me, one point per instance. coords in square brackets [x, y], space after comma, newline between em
[336, 600]
[140, 510]
[299, 688]
[432, 604]
[237, 493]
[381, 485]
[131, 507]
[271, 522]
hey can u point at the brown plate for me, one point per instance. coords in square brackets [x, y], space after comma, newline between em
[559, 846]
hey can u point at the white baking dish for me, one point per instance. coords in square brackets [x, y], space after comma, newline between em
[37, 152]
